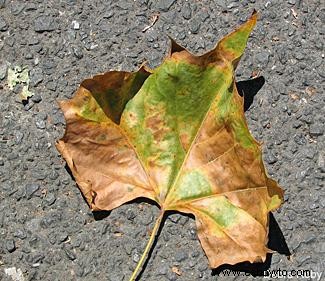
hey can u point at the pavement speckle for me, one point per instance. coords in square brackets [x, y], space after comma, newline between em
[46, 229]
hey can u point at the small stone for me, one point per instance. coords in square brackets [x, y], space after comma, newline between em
[12, 156]
[50, 199]
[2, 4]
[51, 85]
[3, 70]
[292, 2]
[52, 238]
[10, 41]
[36, 98]
[116, 276]
[300, 56]
[105, 228]
[275, 259]
[38, 257]
[309, 238]
[42, 115]
[262, 58]
[31, 188]
[299, 139]
[171, 276]
[183, 220]
[202, 267]
[78, 270]
[193, 234]
[322, 202]
[194, 26]
[130, 215]
[77, 52]
[63, 236]
[147, 218]
[38, 173]
[75, 25]
[108, 14]
[163, 269]
[44, 23]
[19, 137]
[1, 162]
[313, 206]
[180, 256]
[36, 76]
[164, 5]
[31, 7]
[70, 254]
[174, 218]
[135, 256]
[28, 105]
[186, 11]
[3, 24]
[232, 5]
[53, 175]
[40, 124]
[129, 247]
[10, 246]
[93, 46]
[17, 8]
[195, 254]
[21, 234]
[270, 158]
[316, 130]
[321, 161]
[204, 16]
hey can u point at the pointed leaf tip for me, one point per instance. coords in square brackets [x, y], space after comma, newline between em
[233, 45]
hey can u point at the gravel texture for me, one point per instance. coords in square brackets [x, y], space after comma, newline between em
[47, 231]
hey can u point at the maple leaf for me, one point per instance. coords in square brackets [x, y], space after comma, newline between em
[177, 135]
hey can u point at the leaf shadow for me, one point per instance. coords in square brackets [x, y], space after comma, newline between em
[249, 88]
[276, 243]
[98, 215]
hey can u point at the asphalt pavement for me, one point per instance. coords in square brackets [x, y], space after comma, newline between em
[47, 231]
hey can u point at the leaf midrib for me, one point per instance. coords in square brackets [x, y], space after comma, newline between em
[165, 206]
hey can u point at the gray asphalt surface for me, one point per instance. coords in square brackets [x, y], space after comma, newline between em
[47, 231]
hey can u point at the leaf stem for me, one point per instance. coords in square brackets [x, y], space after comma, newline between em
[148, 247]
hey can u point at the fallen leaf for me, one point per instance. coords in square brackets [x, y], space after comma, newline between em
[177, 135]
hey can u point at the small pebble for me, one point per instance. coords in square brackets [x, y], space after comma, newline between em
[40, 124]
[3, 70]
[31, 189]
[3, 24]
[50, 199]
[36, 98]
[10, 246]
[75, 25]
